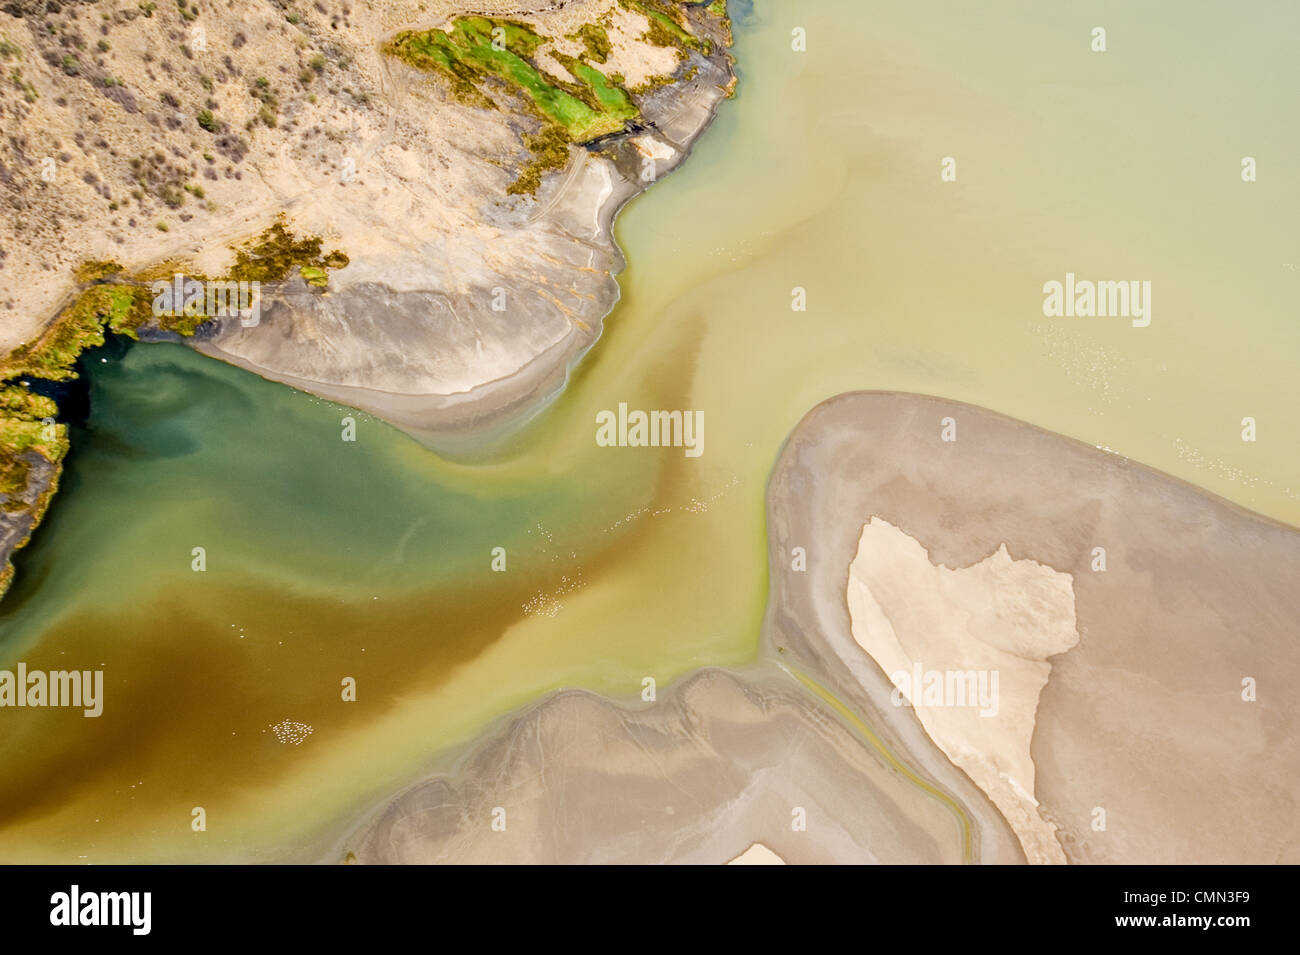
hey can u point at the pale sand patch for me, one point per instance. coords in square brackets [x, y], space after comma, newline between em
[636, 61]
[757, 854]
[655, 149]
[998, 619]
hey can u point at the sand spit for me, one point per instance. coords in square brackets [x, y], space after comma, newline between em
[967, 648]
[720, 762]
[1162, 736]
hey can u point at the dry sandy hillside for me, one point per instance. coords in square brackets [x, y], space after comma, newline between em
[122, 118]
[466, 168]
[149, 132]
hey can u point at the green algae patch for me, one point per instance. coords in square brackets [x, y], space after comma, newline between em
[20, 435]
[595, 40]
[477, 50]
[273, 256]
[315, 276]
[53, 354]
[550, 146]
[667, 25]
[97, 270]
[479, 54]
[32, 447]
[17, 401]
[123, 302]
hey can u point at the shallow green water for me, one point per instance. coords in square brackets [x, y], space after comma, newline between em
[371, 559]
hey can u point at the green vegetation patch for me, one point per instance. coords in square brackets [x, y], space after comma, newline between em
[550, 146]
[17, 401]
[121, 307]
[596, 41]
[123, 303]
[601, 91]
[52, 355]
[19, 435]
[476, 50]
[97, 270]
[477, 54]
[26, 426]
[667, 25]
[19, 438]
[13, 479]
[276, 253]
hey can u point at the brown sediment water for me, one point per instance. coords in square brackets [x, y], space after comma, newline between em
[372, 559]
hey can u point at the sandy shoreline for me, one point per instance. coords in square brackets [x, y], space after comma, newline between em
[697, 777]
[452, 373]
[465, 302]
[462, 307]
